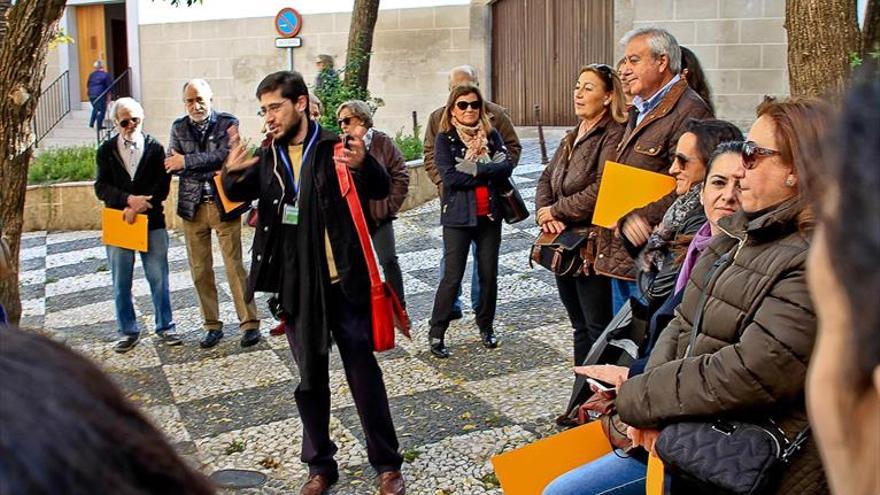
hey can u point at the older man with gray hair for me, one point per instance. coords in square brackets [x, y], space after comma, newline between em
[130, 177]
[199, 145]
[663, 103]
[466, 74]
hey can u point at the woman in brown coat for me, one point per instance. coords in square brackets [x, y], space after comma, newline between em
[355, 113]
[567, 190]
[750, 354]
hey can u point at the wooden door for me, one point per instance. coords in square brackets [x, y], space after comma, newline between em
[538, 47]
[90, 41]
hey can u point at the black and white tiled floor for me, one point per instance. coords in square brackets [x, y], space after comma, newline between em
[229, 407]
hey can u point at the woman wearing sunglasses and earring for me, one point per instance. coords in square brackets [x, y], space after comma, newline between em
[470, 155]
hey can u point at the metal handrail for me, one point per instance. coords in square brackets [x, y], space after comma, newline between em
[121, 86]
[53, 106]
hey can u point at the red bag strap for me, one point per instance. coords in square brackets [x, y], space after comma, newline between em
[349, 192]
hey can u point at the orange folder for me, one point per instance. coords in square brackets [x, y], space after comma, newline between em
[227, 205]
[654, 482]
[117, 232]
[529, 469]
[625, 188]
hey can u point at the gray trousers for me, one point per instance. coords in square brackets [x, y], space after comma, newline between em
[383, 243]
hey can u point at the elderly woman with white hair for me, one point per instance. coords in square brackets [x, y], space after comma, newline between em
[98, 83]
[355, 117]
[131, 177]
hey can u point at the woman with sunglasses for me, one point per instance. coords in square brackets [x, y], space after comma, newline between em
[567, 190]
[657, 260]
[131, 177]
[356, 113]
[470, 156]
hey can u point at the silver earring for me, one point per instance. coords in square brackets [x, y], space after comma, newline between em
[789, 181]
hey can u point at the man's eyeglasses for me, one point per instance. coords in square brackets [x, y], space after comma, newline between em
[751, 152]
[463, 105]
[124, 123]
[270, 108]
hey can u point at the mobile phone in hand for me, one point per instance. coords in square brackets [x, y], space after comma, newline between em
[600, 385]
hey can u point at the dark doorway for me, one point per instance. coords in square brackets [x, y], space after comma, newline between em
[538, 46]
[117, 51]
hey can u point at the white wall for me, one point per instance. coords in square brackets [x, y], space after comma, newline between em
[161, 11]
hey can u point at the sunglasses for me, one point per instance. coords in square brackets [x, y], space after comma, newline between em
[463, 105]
[125, 122]
[345, 121]
[751, 152]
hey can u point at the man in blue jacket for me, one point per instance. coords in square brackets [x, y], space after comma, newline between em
[99, 81]
[199, 145]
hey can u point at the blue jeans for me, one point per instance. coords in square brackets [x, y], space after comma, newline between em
[99, 107]
[475, 283]
[607, 475]
[155, 262]
[621, 291]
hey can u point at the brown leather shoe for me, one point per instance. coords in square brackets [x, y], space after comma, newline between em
[317, 484]
[391, 483]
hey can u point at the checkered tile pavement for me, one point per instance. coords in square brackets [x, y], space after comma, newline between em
[229, 407]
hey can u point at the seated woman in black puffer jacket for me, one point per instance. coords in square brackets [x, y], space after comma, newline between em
[470, 156]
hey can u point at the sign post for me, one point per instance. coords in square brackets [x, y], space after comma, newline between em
[288, 24]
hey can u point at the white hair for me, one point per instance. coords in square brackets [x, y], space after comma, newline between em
[469, 71]
[98, 64]
[661, 41]
[201, 83]
[134, 108]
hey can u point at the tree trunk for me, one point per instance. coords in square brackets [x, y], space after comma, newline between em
[360, 43]
[29, 26]
[822, 36]
[871, 31]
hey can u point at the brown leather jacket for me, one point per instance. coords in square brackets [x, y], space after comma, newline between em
[650, 146]
[752, 351]
[500, 122]
[383, 149]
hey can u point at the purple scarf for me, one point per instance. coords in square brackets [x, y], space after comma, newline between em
[698, 244]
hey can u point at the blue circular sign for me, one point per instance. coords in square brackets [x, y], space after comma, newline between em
[288, 22]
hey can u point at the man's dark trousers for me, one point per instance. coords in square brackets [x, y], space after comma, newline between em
[350, 326]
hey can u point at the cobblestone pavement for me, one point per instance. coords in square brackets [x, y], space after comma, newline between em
[228, 407]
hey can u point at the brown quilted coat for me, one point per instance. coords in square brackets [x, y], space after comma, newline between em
[383, 149]
[651, 146]
[570, 183]
[750, 357]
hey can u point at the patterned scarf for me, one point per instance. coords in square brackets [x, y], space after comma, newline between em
[474, 139]
[658, 245]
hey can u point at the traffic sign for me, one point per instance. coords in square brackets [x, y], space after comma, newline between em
[288, 42]
[288, 22]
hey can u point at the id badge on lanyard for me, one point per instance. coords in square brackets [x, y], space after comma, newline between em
[290, 212]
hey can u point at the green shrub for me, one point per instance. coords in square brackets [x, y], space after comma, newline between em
[410, 145]
[71, 164]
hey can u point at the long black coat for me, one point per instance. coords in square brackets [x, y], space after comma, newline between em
[262, 182]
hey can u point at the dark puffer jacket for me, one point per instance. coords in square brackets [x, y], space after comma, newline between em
[751, 355]
[203, 157]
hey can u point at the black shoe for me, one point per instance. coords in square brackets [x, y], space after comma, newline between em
[455, 315]
[170, 338]
[250, 337]
[211, 339]
[127, 344]
[488, 338]
[438, 348]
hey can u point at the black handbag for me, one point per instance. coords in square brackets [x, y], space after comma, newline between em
[738, 457]
[562, 254]
[513, 208]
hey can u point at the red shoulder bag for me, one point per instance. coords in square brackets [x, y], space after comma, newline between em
[385, 308]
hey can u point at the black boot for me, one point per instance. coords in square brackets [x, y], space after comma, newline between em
[487, 335]
[437, 342]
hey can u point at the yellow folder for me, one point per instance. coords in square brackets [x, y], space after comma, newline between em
[117, 232]
[654, 482]
[529, 469]
[227, 205]
[625, 188]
